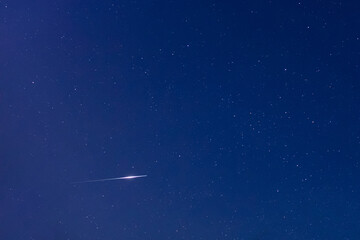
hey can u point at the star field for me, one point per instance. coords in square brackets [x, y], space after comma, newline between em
[244, 115]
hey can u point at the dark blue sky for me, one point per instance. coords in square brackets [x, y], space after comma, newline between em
[244, 115]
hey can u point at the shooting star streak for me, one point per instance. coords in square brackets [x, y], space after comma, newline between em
[112, 179]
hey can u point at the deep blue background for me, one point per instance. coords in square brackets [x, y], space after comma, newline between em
[244, 115]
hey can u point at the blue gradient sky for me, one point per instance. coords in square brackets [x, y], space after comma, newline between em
[243, 114]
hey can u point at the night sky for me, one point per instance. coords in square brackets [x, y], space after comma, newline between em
[244, 115]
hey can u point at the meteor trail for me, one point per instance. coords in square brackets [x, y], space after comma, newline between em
[112, 179]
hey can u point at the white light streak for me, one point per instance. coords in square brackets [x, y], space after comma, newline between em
[113, 179]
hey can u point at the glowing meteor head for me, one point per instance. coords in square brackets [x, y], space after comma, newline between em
[132, 177]
[129, 177]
